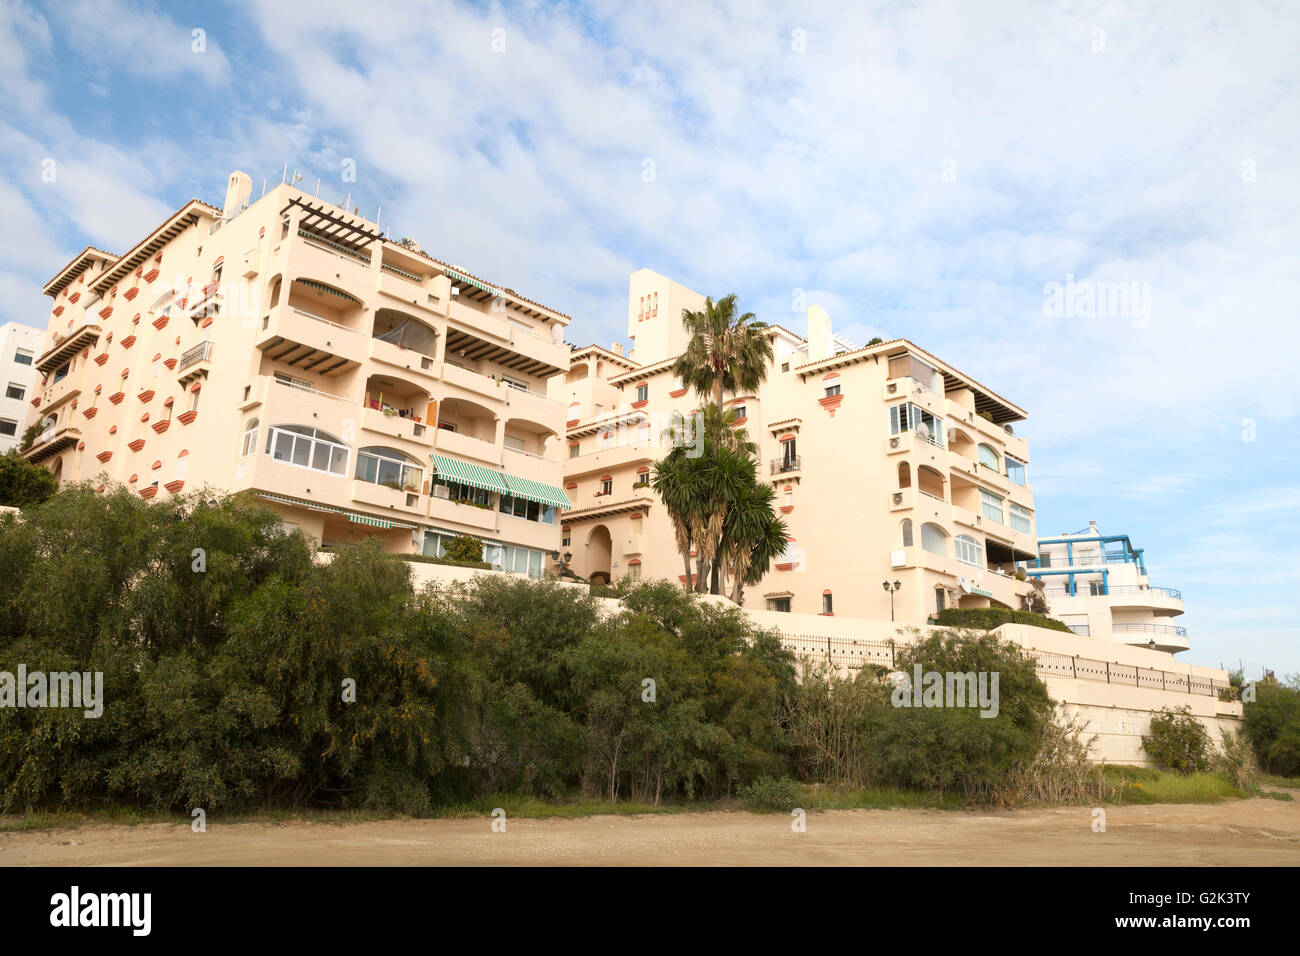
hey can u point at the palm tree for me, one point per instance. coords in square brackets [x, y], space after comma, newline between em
[673, 481]
[726, 353]
[754, 536]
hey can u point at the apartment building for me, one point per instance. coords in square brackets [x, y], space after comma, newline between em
[286, 348]
[891, 467]
[1097, 583]
[18, 347]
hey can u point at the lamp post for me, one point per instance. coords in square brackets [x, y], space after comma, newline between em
[897, 585]
[561, 564]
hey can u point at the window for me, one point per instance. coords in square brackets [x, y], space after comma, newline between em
[779, 604]
[516, 560]
[62, 372]
[643, 393]
[435, 544]
[785, 366]
[607, 486]
[447, 426]
[934, 539]
[988, 457]
[282, 379]
[573, 450]
[1021, 519]
[967, 550]
[909, 417]
[8, 426]
[828, 604]
[788, 454]
[250, 439]
[23, 357]
[940, 598]
[566, 541]
[15, 391]
[905, 530]
[634, 571]
[528, 510]
[515, 383]
[306, 447]
[462, 493]
[992, 506]
[389, 467]
[1016, 471]
[833, 389]
[739, 411]
[909, 366]
[513, 442]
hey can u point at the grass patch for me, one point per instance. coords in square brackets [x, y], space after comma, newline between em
[1277, 795]
[1273, 780]
[1144, 785]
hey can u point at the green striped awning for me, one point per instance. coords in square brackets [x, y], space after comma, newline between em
[354, 516]
[475, 476]
[461, 277]
[327, 290]
[531, 490]
[310, 506]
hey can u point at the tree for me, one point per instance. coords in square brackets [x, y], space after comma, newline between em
[726, 353]
[23, 483]
[753, 536]
[465, 547]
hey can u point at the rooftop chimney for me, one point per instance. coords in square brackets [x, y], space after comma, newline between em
[237, 193]
[1092, 526]
[616, 348]
[819, 333]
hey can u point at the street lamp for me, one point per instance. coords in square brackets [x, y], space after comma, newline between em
[897, 585]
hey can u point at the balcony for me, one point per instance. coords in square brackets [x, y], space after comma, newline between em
[489, 337]
[65, 348]
[382, 496]
[310, 342]
[614, 457]
[51, 442]
[447, 511]
[786, 465]
[408, 360]
[466, 446]
[472, 383]
[311, 254]
[1165, 637]
[195, 363]
[395, 426]
[1163, 601]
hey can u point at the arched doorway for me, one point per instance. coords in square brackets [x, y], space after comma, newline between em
[600, 551]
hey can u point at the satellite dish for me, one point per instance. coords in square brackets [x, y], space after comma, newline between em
[923, 430]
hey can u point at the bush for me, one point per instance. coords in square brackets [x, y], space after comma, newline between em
[767, 794]
[989, 618]
[464, 547]
[1271, 722]
[23, 483]
[1236, 762]
[1178, 741]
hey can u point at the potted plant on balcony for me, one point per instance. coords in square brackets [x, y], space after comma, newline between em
[410, 489]
[389, 412]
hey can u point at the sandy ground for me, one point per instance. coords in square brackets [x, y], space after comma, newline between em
[1257, 832]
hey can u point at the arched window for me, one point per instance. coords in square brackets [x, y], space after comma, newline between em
[967, 550]
[934, 539]
[249, 445]
[390, 467]
[906, 531]
[904, 475]
[930, 481]
[307, 447]
[989, 457]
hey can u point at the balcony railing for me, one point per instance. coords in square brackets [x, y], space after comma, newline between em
[782, 465]
[303, 387]
[335, 248]
[401, 272]
[1150, 629]
[200, 353]
[1087, 589]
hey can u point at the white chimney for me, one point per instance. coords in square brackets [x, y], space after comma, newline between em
[1092, 526]
[819, 333]
[237, 193]
[616, 348]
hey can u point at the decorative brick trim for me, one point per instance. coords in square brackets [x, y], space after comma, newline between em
[104, 455]
[161, 426]
[641, 404]
[90, 412]
[148, 492]
[135, 445]
[162, 320]
[101, 358]
[174, 486]
[677, 393]
[186, 417]
[830, 403]
[147, 395]
[128, 341]
[116, 397]
[131, 293]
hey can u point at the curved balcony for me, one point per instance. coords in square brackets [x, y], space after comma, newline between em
[1163, 637]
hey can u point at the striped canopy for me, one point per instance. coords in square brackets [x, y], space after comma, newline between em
[460, 277]
[327, 290]
[473, 475]
[354, 516]
[544, 494]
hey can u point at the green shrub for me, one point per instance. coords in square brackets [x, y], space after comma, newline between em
[23, 483]
[1178, 741]
[767, 794]
[430, 559]
[464, 547]
[989, 618]
[1271, 722]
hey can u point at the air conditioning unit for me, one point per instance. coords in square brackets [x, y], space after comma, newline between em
[441, 491]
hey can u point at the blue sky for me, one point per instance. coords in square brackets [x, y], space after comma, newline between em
[920, 170]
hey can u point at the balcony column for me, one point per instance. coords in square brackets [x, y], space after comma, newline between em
[500, 440]
[440, 346]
